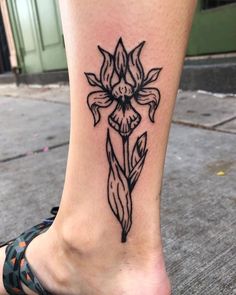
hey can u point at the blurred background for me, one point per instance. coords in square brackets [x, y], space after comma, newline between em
[32, 44]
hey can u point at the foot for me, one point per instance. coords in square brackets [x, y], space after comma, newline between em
[92, 268]
[2, 258]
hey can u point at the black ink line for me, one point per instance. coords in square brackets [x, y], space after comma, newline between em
[122, 80]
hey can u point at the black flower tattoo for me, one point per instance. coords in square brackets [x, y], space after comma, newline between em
[122, 80]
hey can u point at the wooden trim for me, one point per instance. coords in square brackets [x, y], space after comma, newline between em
[9, 34]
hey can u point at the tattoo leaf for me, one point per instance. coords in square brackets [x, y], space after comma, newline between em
[119, 196]
[93, 80]
[139, 149]
[135, 173]
[152, 75]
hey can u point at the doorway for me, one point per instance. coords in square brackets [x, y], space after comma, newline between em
[4, 51]
[38, 35]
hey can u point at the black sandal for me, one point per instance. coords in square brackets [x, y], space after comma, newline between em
[16, 269]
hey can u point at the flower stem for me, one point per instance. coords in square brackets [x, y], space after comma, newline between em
[125, 140]
[123, 236]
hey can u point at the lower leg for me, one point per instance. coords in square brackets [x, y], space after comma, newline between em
[94, 211]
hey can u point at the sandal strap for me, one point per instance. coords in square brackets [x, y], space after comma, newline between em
[16, 269]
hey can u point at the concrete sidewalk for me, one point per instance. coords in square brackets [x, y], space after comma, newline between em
[199, 190]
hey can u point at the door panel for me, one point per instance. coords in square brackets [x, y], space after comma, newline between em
[27, 35]
[47, 21]
[50, 35]
[26, 26]
[38, 34]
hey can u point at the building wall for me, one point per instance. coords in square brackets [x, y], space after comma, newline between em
[39, 43]
[214, 29]
[38, 36]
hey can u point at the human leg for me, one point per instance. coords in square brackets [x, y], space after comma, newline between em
[86, 235]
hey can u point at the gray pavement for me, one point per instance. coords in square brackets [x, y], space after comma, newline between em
[198, 205]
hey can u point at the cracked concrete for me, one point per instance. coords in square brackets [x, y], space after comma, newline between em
[206, 110]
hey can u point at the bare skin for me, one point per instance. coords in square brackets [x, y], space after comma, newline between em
[82, 253]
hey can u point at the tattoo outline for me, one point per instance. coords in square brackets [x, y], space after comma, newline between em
[122, 79]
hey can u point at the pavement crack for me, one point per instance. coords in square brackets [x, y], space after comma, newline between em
[211, 128]
[225, 121]
[37, 151]
[37, 99]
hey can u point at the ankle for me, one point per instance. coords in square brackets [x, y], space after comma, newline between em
[87, 229]
[65, 265]
[94, 246]
[86, 237]
[79, 236]
[126, 264]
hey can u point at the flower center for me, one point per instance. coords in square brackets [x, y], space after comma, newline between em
[122, 91]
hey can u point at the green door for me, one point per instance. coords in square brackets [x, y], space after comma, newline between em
[38, 35]
[49, 29]
[214, 28]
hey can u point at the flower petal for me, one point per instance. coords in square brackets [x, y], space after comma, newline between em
[152, 75]
[107, 68]
[149, 96]
[135, 66]
[124, 119]
[121, 58]
[93, 80]
[96, 100]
